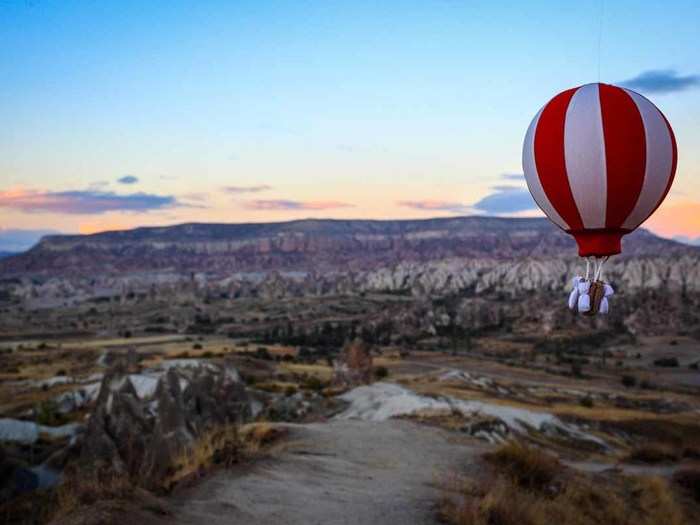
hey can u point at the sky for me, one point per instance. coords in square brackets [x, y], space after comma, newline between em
[122, 114]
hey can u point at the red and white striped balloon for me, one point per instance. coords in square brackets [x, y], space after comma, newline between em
[599, 160]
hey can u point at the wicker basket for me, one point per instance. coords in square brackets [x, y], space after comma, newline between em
[596, 292]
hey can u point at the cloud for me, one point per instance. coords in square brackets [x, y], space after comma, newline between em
[246, 189]
[195, 196]
[436, 205]
[128, 179]
[513, 176]
[18, 240]
[84, 201]
[506, 199]
[282, 204]
[662, 81]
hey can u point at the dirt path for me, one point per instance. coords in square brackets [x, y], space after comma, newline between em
[342, 472]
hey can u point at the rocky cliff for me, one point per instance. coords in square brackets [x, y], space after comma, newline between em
[311, 245]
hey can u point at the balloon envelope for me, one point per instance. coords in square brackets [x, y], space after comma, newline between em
[599, 160]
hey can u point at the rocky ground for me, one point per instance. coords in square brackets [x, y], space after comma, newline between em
[341, 472]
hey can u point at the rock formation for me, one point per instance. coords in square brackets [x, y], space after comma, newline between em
[145, 435]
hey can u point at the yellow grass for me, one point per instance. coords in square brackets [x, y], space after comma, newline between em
[528, 487]
[323, 372]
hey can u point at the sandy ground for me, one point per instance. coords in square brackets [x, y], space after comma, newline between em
[342, 472]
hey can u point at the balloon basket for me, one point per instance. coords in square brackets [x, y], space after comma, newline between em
[590, 294]
[596, 292]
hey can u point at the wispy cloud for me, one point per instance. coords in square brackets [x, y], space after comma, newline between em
[128, 179]
[513, 176]
[195, 196]
[283, 204]
[247, 189]
[662, 81]
[84, 201]
[436, 205]
[19, 240]
[506, 199]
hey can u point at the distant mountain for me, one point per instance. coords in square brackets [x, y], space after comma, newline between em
[6, 254]
[687, 240]
[308, 245]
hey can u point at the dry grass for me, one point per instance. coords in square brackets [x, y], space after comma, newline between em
[662, 438]
[256, 438]
[87, 487]
[224, 446]
[321, 371]
[525, 466]
[220, 445]
[528, 487]
[653, 453]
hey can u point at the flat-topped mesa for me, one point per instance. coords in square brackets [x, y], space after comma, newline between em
[313, 244]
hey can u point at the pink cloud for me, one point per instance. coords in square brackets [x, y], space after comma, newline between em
[83, 201]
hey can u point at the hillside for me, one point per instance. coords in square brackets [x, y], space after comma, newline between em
[322, 245]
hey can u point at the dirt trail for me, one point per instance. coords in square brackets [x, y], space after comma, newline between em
[342, 472]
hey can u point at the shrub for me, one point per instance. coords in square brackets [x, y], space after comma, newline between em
[197, 346]
[587, 402]
[629, 381]
[653, 453]
[576, 370]
[579, 499]
[526, 466]
[647, 385]
[263, 353]
[313, 383]
[381, 372]
[668, 362]
[46, 413]
[689, 480]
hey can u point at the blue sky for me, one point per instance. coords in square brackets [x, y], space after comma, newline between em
[326, 109]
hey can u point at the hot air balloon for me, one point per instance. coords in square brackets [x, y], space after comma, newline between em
[598, 160]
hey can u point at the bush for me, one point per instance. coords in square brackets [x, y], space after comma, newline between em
[689, 480]
[653, 453]
[263, 353]
[46, 413]
[667, 362]
[573, 498]
[313, 383]
[526, 466]
[629, 381]
[381, 372]
[587, 402]
[197, 346]
[576, 370]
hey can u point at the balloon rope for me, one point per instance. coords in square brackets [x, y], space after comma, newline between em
[600, 32]
[588, 267]
[599, 272]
